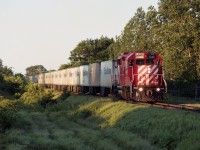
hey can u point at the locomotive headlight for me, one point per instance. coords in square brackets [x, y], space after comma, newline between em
[158, 89]
[140, 89]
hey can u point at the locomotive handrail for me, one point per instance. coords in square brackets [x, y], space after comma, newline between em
[122, 78]
[156, 74]
[148, 73]
[114, 79]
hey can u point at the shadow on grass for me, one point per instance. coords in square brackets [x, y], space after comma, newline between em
[88, 122]
[184, 101]
[166, 129]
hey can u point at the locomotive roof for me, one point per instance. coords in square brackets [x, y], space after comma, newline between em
[140, 55]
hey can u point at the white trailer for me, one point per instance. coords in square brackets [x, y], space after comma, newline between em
[64, 77]
[41, 79]
[84, 78]
[108, 76]
[84, 75]
[94, 78]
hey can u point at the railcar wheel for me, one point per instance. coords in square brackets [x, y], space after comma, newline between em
[92, 91]
[103, 92]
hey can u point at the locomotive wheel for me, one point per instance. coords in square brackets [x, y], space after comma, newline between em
[128, 96]
[138, 97]
[123, 93]
[158, 97]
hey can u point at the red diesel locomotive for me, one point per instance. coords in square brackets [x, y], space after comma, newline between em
[141, 76]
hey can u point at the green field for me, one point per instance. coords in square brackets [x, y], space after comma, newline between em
[86, 122]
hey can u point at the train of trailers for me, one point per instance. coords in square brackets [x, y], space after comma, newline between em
[134, 76]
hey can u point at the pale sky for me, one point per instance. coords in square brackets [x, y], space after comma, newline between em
[43, 32]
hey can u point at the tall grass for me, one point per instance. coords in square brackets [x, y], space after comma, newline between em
[86, 122]
[162, 128]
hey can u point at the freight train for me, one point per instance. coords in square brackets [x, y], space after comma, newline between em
[135, 76]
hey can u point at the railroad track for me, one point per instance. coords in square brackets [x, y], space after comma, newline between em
[163, 105]
[168, 106]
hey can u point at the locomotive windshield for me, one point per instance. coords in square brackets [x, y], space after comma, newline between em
[149, 62]
[131, 63]
[140, 61]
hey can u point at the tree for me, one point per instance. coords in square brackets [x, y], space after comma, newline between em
[13, 84]
[35, 70]
[90, 51]
[65, 66]
[173, 31]
[1, 63]
[134, 35]
[4, 70]
[180, 36]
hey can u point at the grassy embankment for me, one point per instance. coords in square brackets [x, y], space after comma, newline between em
[185, 101]
[84, 122]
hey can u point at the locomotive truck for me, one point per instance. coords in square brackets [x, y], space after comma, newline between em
[135, 76]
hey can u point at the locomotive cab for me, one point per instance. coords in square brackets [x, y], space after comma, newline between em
[141, 76]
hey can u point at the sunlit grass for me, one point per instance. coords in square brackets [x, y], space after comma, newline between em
[164, 128]
[105, 109]
[192, 104]
[87, 122]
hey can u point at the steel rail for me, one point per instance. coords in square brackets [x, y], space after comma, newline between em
[168, 106]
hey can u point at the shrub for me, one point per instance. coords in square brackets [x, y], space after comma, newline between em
[38, 94]
[7, 119]
[7, 103]
[65, 94]
[14, 84]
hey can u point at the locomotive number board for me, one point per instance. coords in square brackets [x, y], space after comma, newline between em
[139, 55]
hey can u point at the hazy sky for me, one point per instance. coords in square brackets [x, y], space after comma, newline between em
[43, 32]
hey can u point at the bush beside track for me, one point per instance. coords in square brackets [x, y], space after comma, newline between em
[86, 122]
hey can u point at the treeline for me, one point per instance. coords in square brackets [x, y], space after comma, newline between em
[10, 83]
[89, 51]
[172, 31]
